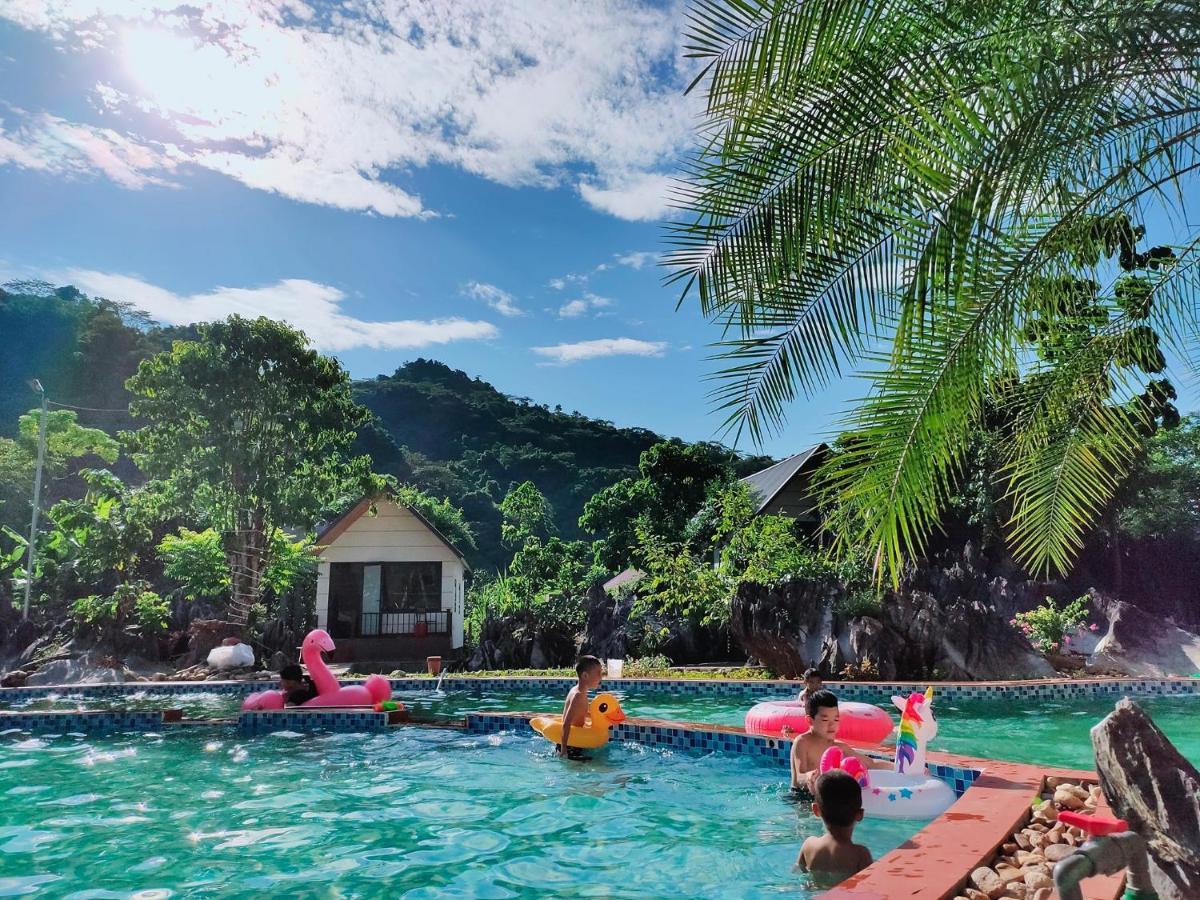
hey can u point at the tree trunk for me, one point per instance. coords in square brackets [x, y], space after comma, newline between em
[1150, 785]
[246, 554]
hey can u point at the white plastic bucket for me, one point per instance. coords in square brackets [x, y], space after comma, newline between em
[615, 666]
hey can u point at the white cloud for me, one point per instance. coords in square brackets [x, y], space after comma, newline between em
[637, 196]
[312, 307]
[558, 283]
[499, 300]
[637, 258]
[576, 308]
[54, 145]
[565, 354]
[572, 310]
[337, 106]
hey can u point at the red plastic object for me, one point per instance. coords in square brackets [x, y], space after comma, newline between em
[1096, 826]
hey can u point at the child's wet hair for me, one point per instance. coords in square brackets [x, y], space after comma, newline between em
[291, 673]
[812, 673]
[819, 700]
[586, 664]
[839, 796]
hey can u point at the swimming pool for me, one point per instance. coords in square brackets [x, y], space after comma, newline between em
[413, 812]
[1041, 731]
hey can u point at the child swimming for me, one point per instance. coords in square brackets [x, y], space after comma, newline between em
[589, 672]
[834, 857]
[808, 748]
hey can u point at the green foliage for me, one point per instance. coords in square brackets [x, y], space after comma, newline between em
[903, 190]
[859, 602]
[247, 420]
[130, 608]
[292, 564]
[527, 514]
[1049, 627]
[108, 533]
[1163, 497]
[65, 437]
[196, 560]
[674, 480]
[680, 584]
[249, 430]
[646, 667]
[445, 516]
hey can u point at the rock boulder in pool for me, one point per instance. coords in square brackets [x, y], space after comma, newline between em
[1150, 785]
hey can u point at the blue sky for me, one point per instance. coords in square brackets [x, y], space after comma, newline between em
[478, 182]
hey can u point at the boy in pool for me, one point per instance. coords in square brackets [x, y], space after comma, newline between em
[575, 710]
[834, 856]
[808, 748]
[297, 687]
[812, 684]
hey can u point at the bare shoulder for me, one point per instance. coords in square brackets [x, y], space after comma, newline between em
[802, 859]
[864, 857]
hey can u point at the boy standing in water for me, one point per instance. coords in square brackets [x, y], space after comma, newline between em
[808, 748]
[834, 856]
[575, 710]
[812, 684]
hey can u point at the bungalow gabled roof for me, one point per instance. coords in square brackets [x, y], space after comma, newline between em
[767, 484]
[338, 526]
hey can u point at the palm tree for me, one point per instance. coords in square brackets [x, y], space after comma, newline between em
[898, 188]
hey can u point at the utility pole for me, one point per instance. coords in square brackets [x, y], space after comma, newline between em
[37, 498]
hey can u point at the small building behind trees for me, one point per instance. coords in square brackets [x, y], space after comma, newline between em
[390, 586]
[786, 488]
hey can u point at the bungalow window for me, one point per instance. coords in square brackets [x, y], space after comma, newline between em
[367, 599]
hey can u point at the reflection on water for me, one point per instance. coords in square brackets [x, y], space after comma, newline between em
[414, 812]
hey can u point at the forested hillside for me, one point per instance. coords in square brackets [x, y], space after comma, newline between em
[437, 428]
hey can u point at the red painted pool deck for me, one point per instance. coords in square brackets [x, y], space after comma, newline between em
[934, 862]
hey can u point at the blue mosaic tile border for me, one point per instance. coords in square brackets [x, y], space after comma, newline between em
[306, 721]
[80, 722]
[869, 692]
[701, 741]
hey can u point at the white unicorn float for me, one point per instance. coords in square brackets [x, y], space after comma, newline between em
[908, 791]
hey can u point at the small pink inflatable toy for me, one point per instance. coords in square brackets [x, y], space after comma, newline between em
[833, 758]
[374, 690]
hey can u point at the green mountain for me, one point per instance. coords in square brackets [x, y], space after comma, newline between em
[436, 428]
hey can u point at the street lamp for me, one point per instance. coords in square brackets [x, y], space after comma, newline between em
[37, 497]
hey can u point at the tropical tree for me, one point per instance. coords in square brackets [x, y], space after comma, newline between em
[674, 479]
[248, 429]
[901, 188]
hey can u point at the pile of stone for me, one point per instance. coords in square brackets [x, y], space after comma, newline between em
[204, 673]
[1024, 868]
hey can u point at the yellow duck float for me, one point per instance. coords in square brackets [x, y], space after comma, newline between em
[603, 712]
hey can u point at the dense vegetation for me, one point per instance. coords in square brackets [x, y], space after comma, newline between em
[910, 190]
[218, 441]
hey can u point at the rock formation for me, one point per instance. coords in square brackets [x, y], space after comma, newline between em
[794, 625]
[1143, 644]
[1150, 785]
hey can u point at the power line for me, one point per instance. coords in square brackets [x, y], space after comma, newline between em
[85, 408]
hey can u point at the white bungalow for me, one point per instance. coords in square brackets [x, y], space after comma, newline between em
[390, 586]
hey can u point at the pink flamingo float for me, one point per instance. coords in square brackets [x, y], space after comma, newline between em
[375, 689]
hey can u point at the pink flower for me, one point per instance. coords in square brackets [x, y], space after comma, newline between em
[1066, 640]
[1094, 627]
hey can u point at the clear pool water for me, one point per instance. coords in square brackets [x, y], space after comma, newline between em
[412, 813]
[1048, 732]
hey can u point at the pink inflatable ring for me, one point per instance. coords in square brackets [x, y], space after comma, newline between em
[857, 721]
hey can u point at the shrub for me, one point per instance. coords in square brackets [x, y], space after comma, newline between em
[131, 607]
[857, 603]
[1049, 627]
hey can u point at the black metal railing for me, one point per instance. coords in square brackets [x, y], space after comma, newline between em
[417, 623]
